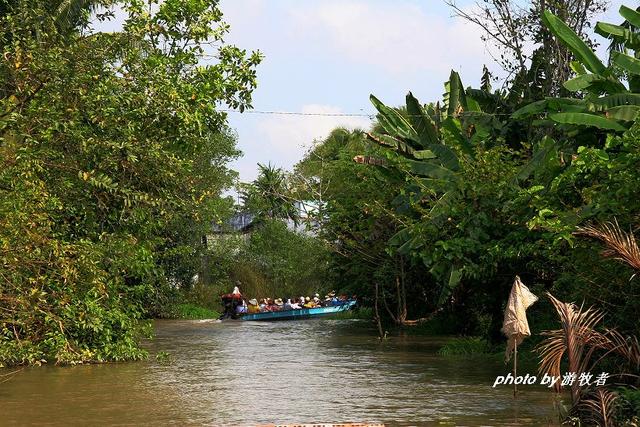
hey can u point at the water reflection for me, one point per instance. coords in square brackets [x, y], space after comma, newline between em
[245, 373]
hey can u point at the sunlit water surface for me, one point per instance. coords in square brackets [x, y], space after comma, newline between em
[247, 373]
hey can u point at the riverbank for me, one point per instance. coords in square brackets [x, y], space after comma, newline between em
[189, 311]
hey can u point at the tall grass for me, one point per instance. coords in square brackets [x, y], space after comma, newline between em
[192, 311]
[465, 346]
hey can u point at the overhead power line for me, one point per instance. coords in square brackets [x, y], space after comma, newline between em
[297, 113]
[368, 115]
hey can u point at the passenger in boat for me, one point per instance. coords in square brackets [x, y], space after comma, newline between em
[264, 305]
[253, 306]
[278, 305]
[316, 299]
[241, 308]
[295, 306]
[308, 303]
[330, 299]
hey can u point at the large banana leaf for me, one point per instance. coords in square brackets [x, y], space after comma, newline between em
[619, 33]
[578, 47]
[578, 68]
[424, 155]
[481, 119]
[447, 157]
[395, 143]
[618, 99]
[630, 15]
[627, 113]
[536, 107]
[487, 100]
[586, 119]
[456, 98]
[452, 127]
[594, 83]
[392, 121]
[421, 122]
[455, 276]
[431, 170]
[544, 105]
[626, 62]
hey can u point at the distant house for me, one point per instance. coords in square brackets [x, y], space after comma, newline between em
[241, 222]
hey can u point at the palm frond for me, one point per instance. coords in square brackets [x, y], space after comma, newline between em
[70, 15]
[620, 245]
[576, 339]
[598, 407]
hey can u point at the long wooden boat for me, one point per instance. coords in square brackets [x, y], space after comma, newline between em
[301, 313]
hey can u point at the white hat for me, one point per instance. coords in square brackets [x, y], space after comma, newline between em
[253, 301]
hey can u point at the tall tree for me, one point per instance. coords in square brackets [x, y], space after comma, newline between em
[512, 27]
[112, 154]
[269, 196]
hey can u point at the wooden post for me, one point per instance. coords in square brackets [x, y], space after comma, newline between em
[515, 364]
[377, 314]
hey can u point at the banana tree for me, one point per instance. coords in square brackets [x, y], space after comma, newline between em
[602, 100]
[430, 141]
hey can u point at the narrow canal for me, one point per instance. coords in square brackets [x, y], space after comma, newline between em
[246, 373]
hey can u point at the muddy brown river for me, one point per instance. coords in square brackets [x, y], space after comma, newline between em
[246, 373]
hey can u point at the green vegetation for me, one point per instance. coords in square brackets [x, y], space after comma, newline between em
[113, 161]
[629, 405]
[271, 259]
[164, 358]
[191, 311]
[465, 346]
[448, 201]
[359, 313]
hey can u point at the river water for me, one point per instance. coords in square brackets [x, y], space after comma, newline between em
[247, 373]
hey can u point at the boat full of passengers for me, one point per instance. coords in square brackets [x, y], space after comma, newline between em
[267, 309]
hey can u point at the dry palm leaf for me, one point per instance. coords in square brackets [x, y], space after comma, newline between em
[598, 408]
[620, 245]
[577, 339]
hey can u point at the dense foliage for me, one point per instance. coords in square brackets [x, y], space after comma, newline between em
[113, 159]
[482, 186]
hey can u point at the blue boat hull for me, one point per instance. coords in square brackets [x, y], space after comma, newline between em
[302, 313]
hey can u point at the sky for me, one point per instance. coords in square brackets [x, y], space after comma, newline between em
[328, 56]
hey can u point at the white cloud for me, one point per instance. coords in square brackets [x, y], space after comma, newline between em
[399, 37]
[289, 136]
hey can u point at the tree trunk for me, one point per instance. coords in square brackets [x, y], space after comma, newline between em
[377, 315]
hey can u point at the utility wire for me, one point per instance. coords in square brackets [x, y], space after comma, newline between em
[296, 113]
[368, 115]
